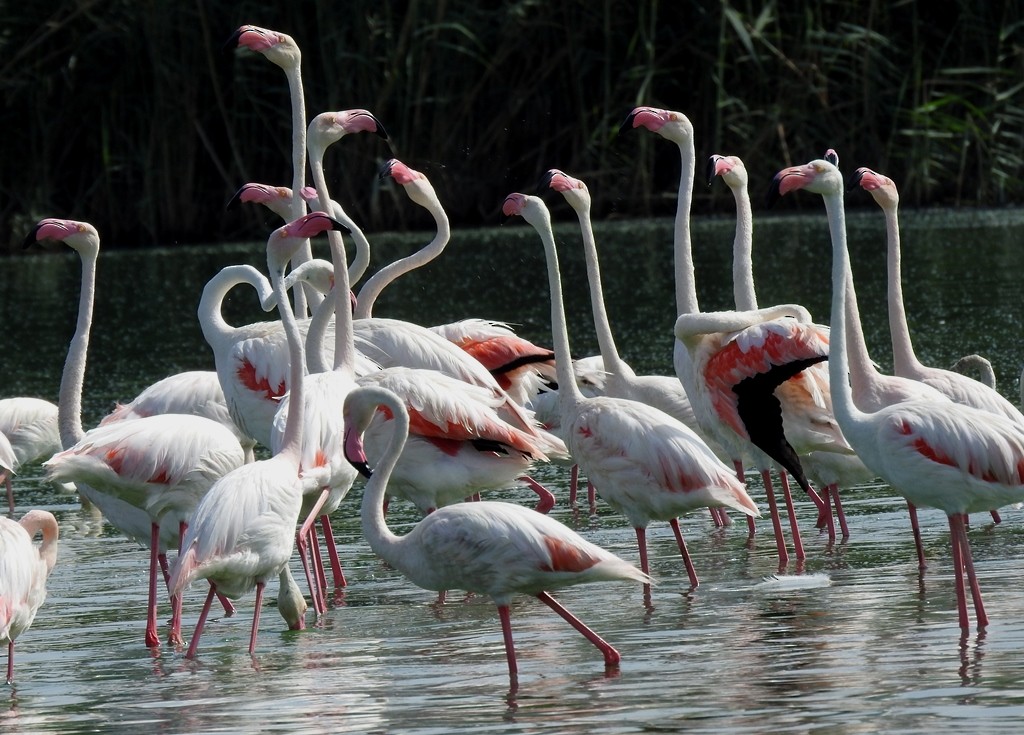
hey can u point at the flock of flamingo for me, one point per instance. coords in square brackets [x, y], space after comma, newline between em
[436, 416]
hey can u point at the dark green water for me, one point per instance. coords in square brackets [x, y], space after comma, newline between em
[867, 646]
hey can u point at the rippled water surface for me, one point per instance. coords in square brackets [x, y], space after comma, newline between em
[852, 640]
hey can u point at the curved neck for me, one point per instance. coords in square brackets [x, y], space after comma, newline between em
[903, 357]
[69, 405]
[742, 260]
[344, 338]
[371, 512]
[686, 287]
[862, 370]
[605, 340]
[292, 439]
[372, 288]
[211, 318]
[316, 334]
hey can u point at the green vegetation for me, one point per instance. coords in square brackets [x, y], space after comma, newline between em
[131, 114]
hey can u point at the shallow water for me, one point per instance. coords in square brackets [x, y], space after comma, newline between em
[859, 642]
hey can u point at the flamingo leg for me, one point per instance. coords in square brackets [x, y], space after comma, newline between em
[995, 516]
[10, 492]
[798, 544]
[510, 649]
[332, 552]
[773, 509]
[152, 639]
[611, 656]
[591, 496]
[742, 477]
[840, 514]
[546, 499]
[715, 517]
[972, 579]
[915, 527]
[641, 542]
[574, 479]
[10, 662]
[694, 582]
[194, 643]
[956, 524]
[174, 636]
[256, 617]
[302, 538]
[825, 516]
[229, 607]
[318, 564]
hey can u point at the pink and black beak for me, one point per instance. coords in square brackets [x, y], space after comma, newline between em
[378, 127]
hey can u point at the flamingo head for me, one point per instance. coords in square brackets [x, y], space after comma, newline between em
[530, 208]
[674, 126]
[416, 185]
[277, 199]
[310, 197]
[360, 407]
[730, 168]
[330, 127]
[285, 241]
[79, 236]
[818, 176]
[574, 190]
[278, 48]
[882, 188]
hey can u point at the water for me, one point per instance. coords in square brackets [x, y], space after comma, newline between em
[865, 644]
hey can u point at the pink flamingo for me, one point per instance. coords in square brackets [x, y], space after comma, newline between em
[936, 453]
[644, 463]
[805, 399]
[24, 569]
[492, 548]
[29, 425]
[722, 428]
[144, 475]
[241, 533]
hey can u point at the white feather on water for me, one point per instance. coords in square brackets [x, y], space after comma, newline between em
[785, 583]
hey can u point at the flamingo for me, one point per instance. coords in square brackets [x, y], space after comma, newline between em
[24, 569]
[805, 398]
[29, 426]
[490, 547]
[145, 475]
[979, 363]
[959, 388]
[644, 463]
[938, 454]
[714, 412]
[241, 533]
[281, 50]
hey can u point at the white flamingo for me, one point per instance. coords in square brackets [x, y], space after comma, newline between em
[644, 463]
[492, 548]
[936, 453]
[29, 427]
[24, 569]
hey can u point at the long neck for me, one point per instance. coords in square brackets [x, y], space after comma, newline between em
[838, 363]
[902, 348]
[862, 370]
[385, 276]
[686, 286]
[383, 542]
[292, 439]
[302, 295]
[73, 377]
[742, 262]
[605, 340]
[569, 394]
[344, 337]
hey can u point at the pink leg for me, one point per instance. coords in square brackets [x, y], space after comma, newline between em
[956, 524]
[694, 582]
[510, 649]
[825, 516]
[152, 639]
[305, 543]
[332, 552]
[256, 617]
[716, 518]
[10, 492]
[611, 656]
[773, 509]
[194, 643]
[995, 516]
[229, 608]
[840, 515]
[742, 477]
[592, 496]
[798, 544]
[10, 662]
[972, 579]
[318, 563]
[574, 479]
[916, 528]
[641, 542]
[546, 500]
[302, 544]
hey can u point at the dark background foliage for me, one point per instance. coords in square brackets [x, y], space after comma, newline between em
[131, 113]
